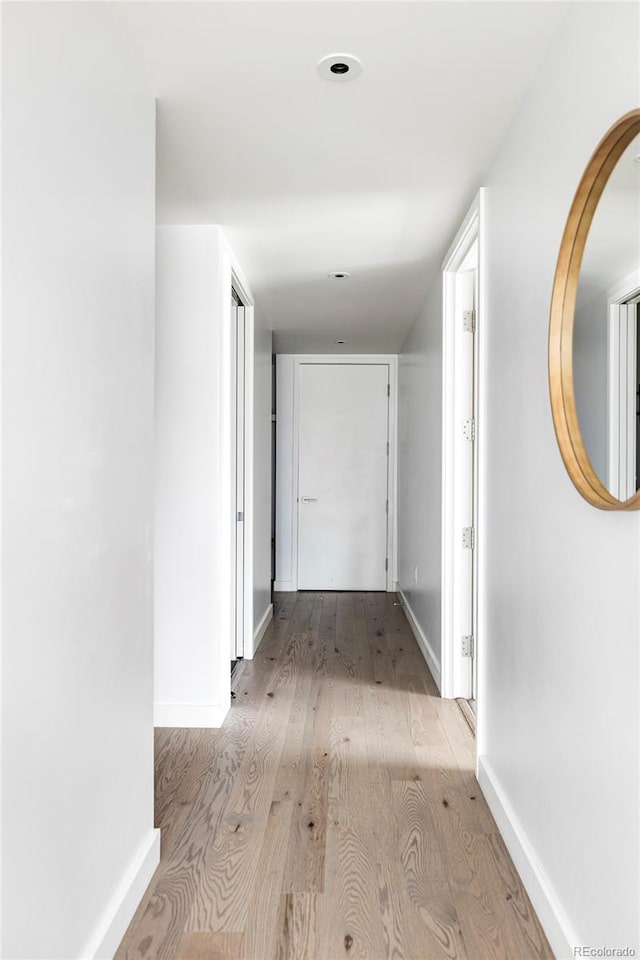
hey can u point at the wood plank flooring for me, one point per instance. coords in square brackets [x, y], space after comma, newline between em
[335, 815]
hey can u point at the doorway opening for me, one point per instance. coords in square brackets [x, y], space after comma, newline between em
[461, 481]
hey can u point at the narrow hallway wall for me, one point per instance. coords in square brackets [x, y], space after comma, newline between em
[194, 589]
[77, 442]
[191, 664]
[420, 472]
[559, 634]
[559, 691]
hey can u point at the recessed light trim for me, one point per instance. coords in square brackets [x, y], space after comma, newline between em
[339, 275]
[339, 67]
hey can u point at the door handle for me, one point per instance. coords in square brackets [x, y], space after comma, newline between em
[308, 499]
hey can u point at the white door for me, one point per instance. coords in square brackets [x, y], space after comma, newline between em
[238, 332]
[343, 430]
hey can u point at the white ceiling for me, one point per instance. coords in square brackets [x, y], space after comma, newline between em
[308, 176]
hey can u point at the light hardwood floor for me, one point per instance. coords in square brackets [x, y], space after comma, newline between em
[335, 814]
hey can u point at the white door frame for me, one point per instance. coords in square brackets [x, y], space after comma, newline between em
[287, 422]
[456, 672]
[621, 420]
[231, 275]
[238, 314]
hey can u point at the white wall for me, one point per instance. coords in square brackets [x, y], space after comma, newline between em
[263, 373]
[77, 436]
[558, 700]
[420, 473]
[195, 525]
[560, 687]
[191, 657]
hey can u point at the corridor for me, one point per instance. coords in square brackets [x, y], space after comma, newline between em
[335, 814]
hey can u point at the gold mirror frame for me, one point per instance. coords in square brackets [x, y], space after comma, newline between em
[563, 302]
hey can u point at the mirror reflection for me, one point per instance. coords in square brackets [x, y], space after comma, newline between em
[606, 336]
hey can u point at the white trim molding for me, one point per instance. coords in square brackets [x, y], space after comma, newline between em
[622, 330]
[283, 586]
[242, 288]
[425, 647]
[545, 902]
[118, 915]
[192, 714]
[456, 669]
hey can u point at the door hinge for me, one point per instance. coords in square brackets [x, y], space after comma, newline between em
[240, 516]
[386, 563]
[388, 389]
[387, 448]
[469, 429]
[468, 538]
[469, 321]
[386, 506]
[468, 645]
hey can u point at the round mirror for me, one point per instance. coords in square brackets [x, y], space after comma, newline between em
[594, 337]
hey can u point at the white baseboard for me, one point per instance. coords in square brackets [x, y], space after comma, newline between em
[284, 586]
[423, 643]
[262, 627]
[189, 714]
[125, 901]
[550, 913]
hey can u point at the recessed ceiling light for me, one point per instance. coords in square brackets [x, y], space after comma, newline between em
[339, 66]
[339, 275]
